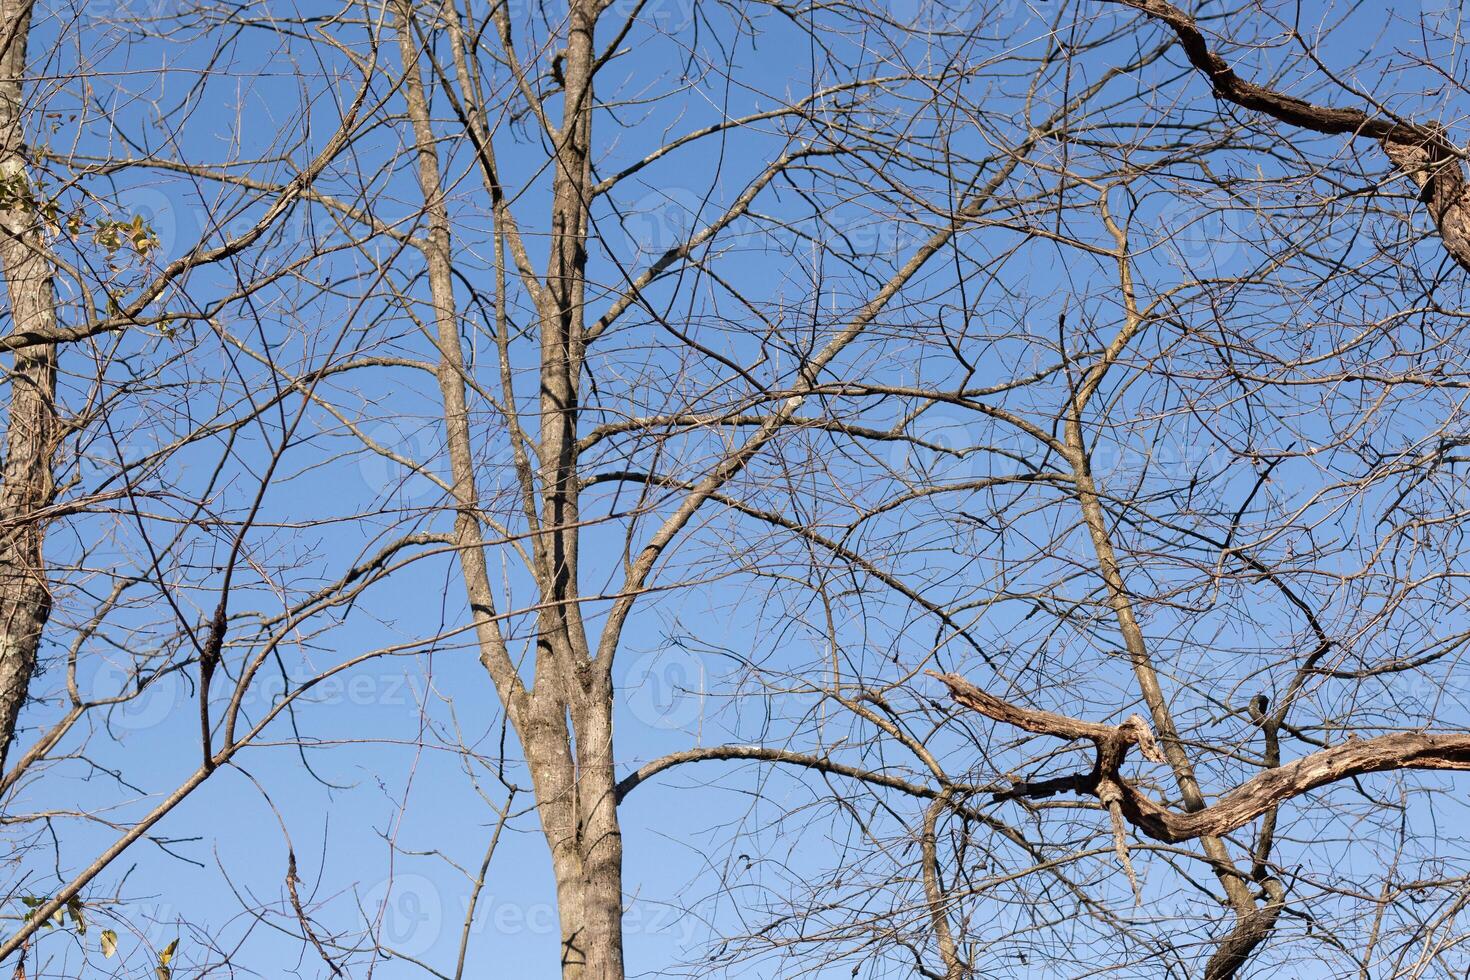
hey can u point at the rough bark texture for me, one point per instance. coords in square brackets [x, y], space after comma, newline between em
[1422, 152]
[1235, 809]
[564, 720]
[579, 806]
[26, 478]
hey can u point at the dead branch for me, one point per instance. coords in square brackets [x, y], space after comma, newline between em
[1239, 806]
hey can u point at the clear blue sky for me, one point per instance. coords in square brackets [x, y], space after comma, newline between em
[387, 805]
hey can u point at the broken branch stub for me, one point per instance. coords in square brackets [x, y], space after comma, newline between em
[1237, 807]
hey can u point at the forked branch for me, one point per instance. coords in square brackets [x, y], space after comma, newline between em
[1423, 152]
[1239, 806]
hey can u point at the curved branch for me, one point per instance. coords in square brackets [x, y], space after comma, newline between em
[1238, 807]
[1422, 152]
[1356, 757]
[760, 752]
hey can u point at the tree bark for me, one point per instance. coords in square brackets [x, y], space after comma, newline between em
[1423, 153]
[577, 803]
[26, 478]
[564, 721]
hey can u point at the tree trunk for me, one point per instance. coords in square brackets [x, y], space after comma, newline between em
[576, 787]
[26, 479]
[564, 722]
[577, 802]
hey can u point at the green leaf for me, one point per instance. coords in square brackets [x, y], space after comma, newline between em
[109, 943]
[74, 908]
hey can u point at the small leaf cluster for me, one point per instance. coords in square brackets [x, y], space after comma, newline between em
[74, 912]
[113, 234]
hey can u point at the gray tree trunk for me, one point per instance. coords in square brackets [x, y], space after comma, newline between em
[564, 721]
[27, 481]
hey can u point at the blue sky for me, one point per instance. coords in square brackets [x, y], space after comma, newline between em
[392, 803]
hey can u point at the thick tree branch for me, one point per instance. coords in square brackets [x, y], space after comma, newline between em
[1422, 152]
[1238, 807]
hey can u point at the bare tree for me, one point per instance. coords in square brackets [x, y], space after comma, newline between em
[32, 429]
[684, 448]
[986, 393]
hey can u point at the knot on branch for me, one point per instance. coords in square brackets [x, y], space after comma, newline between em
[1136, 730]
[1426, 156]
[1112, 741]
[1122, 802]
[1239, 806]
[1104, 781]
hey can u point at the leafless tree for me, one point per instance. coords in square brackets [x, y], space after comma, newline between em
[990, 391]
